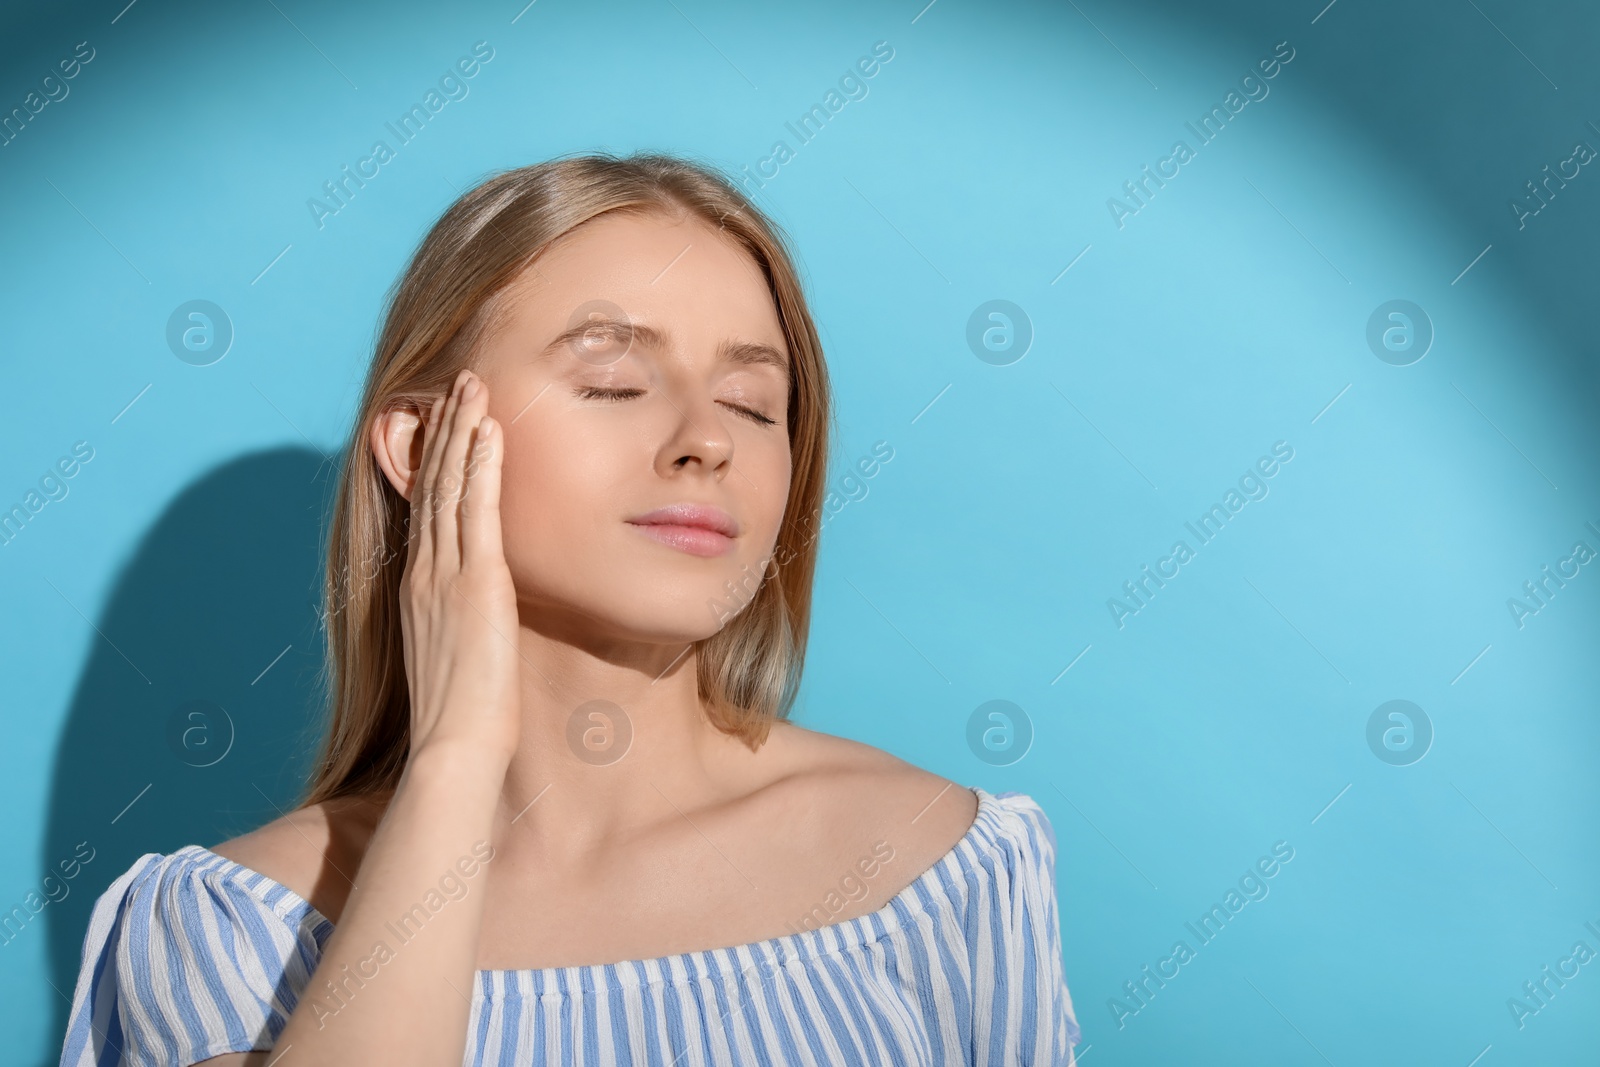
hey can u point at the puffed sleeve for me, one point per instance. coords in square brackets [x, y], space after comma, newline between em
[1023, 1011]
[188, 956]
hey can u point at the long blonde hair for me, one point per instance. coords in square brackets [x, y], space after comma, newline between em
[447, 301]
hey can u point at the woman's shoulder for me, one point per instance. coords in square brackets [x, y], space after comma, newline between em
[179, 941]
[990, 864]
[845, 786]
[314, 851]
[860, 785]
[866, 775]
[988, 846]
[168, 889]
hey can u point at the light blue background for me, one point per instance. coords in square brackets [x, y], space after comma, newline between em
[1228, 314]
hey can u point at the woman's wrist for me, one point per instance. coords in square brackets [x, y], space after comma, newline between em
[454, 764]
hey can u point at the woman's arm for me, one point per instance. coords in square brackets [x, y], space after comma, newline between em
[394, 981]
[394, 1002]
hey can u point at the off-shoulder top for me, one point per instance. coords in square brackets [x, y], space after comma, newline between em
[190, 955]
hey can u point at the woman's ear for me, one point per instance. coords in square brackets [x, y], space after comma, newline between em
[397, 439]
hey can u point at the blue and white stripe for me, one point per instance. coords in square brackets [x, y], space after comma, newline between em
[190, 955]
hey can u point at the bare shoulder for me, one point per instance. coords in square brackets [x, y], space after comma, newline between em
[314, 850]
[848, 791]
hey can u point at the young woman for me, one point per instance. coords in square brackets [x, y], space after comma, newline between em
[560, 816]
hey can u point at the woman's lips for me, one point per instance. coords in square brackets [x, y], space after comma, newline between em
[695, 540]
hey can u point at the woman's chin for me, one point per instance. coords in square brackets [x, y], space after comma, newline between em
[671, 625]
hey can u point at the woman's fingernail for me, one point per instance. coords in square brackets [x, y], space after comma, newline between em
[471, 389]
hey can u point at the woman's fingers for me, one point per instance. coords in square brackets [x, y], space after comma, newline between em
[419, 543]
[446, 556]
[452, 485]
[480, 508]
[459, 625]
[452, 473]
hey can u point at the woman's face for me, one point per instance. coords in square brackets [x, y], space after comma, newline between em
[683, 401]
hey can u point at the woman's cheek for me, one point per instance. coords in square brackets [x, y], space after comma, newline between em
[528, 502]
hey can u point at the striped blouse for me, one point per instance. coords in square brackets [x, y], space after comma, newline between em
[191, 955]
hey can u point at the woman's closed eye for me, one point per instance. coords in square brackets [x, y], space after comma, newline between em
[596, 392]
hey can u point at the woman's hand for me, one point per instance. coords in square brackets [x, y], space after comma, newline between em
[458, 607]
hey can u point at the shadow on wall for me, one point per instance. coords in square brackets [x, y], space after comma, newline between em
[1427, 84]
[199, 709]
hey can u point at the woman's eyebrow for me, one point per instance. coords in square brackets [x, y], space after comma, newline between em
[752, 353]
[747, 353]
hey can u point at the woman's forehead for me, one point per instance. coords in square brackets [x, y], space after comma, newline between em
[667, 276]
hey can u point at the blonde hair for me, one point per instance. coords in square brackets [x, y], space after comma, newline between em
[447, 302]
